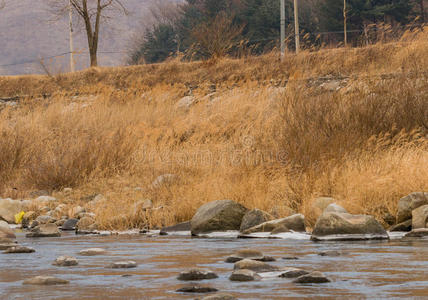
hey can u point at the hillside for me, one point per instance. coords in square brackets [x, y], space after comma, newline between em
[347, 123]
[28, 33]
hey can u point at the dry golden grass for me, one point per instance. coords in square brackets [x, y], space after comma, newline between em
[258, 140]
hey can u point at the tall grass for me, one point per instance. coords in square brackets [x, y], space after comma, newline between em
[272, 136]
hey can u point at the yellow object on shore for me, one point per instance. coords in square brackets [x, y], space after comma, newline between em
[18, 217]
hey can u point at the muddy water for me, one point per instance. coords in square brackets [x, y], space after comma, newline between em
[393, 269]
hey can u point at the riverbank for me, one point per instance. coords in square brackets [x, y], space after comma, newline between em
[344, 123]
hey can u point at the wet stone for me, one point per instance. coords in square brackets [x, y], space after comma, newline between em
[197, 289]
[220, 297]
[293, 273]
[45, 230]
[197, 274]
[290, 258]
[314, 277]
[45, 280]
[19, 249]
[69, 225]
[331, 253]
[65, 261]
[248, 254]
[92, 252]
[244, 275]
[123, 265]
[254, 265]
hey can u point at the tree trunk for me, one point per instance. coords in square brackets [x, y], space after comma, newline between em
[93, 57]
[421, 2]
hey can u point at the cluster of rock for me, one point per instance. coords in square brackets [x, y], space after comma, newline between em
[412, 215]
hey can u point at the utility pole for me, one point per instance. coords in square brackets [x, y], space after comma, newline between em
[345, 23]
[70, 15]
[282, 29]
[296, 25]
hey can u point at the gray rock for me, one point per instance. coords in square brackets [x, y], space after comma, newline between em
[86, 224]
[293, 273]
[290, 257]
[221, 296]
[420, 217]
[69, 225]
[334, 208]
[19, 249]
[5, 231]
[314, 277]
[417, 233]
[344, 226]
[45, 220]
[9, 208]
[253, 218]
[93, 252]
[254, 265]
[197, 289]
[197, 274]
[408, 203]
[295, 222]
[221, 215]
[123, 265]
[244, 275]
[185, 226]
[403, 226]
[249, 254]
[45, 280]
[65, 261]
[280, 229]
[45, 230]
[331, 253]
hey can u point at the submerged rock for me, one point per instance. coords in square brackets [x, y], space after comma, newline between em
[418, 233]
[19, 249]
[293, 273]
[253, 218]
[295, 222]
[65, 261]
[45, 280]
[420, 217]
[244, 275]
[45, 230]
[93, 252]
[344, 226]
[249, 254]
[254, 265]
[197, 274]
[123, 265]
[197, 289]
[220, 297]
[221, 215]
[408, 203]
[314, 277]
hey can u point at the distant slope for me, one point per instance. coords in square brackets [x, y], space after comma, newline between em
[26, 34]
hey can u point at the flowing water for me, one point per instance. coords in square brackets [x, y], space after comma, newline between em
[389, 269]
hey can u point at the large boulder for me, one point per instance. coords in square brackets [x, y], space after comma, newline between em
[45, 230]
[221, 215]
[344, 226]
[319, 204]
[408, 203]
[294, 222]
[244, 275]
[420, 217]
[253, 218]
[9, 208]
[5, 231]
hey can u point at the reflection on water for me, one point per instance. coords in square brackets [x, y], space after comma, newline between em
[366, 270]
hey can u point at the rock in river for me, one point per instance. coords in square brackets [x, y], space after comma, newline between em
[197, 274]
[19, 249]
[408, 203]
[123, 265]
[5, 231]
[253, 218]
[249, 254]
[344, 226]
[45, 280]
[197, 289]
[295, 222]
[45, 230]
[420, 217]
[293, 273]
[244, 275]
[221, 215]
[69, 225]
[221, 296]
[257, 266]
[93, 252]
[417, 233]
[65, 261]
[314, 277]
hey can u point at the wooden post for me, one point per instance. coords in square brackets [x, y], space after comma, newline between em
[296, 25]
[70, 15]
[345, 24]
[282, 7]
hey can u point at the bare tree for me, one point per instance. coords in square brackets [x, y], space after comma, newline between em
[91, 13]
